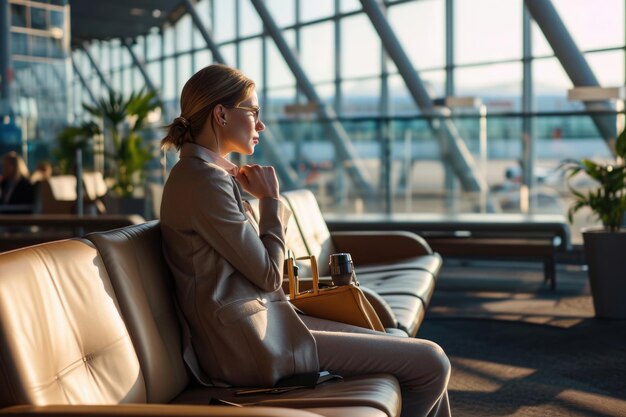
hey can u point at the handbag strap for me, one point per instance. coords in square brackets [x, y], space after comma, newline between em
[293, 280]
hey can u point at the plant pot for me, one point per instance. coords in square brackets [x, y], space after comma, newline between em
[606, 258]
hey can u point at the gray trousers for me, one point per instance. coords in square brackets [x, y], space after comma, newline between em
[421, 366]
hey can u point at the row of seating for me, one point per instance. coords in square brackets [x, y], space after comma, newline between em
[88, 325]
[396, 269]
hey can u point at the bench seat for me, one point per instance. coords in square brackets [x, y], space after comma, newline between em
[88, 326]
[398, 266]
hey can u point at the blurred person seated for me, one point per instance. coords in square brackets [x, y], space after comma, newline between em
[17, 194]
[42, 172]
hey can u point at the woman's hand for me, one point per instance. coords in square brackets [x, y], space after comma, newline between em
[258, 180]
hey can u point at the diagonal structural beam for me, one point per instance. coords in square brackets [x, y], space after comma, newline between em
[460, 157]
[285, 171]
[572, 61]
[339, 137]
[82, 80]
[217, 55]
[95, 66]
[142, 69]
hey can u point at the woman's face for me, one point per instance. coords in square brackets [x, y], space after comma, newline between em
[241, 133]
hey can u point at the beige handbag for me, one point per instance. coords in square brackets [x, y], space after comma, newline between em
[344, 303]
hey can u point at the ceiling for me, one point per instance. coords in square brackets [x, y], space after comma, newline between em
[120, 18]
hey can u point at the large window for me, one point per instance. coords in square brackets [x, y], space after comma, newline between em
[399, 142]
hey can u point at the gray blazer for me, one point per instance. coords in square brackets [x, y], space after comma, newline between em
[228, 276]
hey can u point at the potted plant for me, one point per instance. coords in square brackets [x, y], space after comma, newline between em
[124, 119]
[69, 141]
[604, 247]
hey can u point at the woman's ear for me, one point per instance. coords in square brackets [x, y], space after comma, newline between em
[219, 115]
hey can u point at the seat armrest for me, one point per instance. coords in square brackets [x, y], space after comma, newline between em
[383, 310]
[373, 247]
[152, 410]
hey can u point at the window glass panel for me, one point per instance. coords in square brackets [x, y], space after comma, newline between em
[360, 97]
[57, 19]
[203, 8]
[183, 34]
[139, 81]
[593, 24]
[202, 59]
[317, 51]
[18, 15]
[540, 45]
[39, 46]
[127, 81]
[154, 71]
[251, 60]
[360, 48]
[38, 18]
[498, 85]
[154, 45]
[138, 47]
[349, 5]
[312, 10]
[125, 58]
[116, 82]
[168, 39]
[249, 22]
[608, 67]
[224, 21]
[550, 85]
[326, 92]
[487, 30]
[276, 101]
[400, 100]
[279, 74]
[420, 27]
[283, 11]
[228, 52]
[115, 54]
[184, 71]
[169, 90]
[19, 44]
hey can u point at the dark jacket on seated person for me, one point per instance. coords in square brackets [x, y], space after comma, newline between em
[20, 193]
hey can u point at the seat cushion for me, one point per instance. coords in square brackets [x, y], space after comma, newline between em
[380, 391]
[420, 284]
[409, 311]
[62, 336]
[430, 263]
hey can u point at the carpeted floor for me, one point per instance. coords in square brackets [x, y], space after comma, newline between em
[520, 349]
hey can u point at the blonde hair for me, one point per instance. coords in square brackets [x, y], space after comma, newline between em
[212, 85]
[12, 158]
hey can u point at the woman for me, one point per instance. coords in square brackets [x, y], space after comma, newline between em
[219, 256]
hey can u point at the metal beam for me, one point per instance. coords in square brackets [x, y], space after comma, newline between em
[5, 53]
[217, 55]
[573, 62]
[85, 49]
[82, 80]
[461, 158]
[339, 137]
[528, 140]
[142, 69]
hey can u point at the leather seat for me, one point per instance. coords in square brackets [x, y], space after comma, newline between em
[86, 330]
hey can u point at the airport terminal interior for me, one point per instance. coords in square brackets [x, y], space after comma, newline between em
[491, 133]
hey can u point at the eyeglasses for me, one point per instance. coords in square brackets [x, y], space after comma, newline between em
[254, 110]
